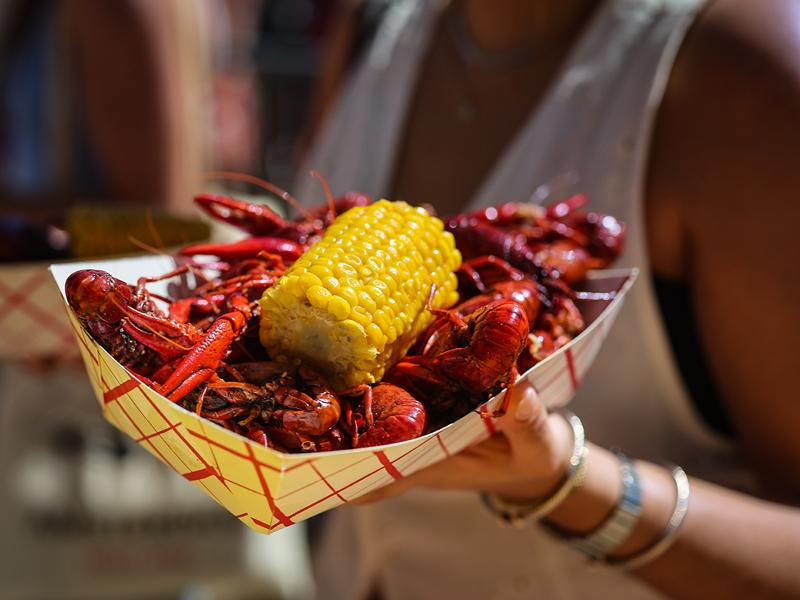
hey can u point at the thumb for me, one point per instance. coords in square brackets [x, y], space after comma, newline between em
[525, 422]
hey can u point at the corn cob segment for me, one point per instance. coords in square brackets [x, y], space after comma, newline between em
[354, 303]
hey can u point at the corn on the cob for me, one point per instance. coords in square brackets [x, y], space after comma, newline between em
[354, 303]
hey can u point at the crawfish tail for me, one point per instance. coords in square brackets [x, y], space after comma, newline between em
[475, 238]
[499, 333]
[306, 404]
[525, 292]
[398, 417]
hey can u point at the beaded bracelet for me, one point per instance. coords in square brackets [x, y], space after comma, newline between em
[520, 515]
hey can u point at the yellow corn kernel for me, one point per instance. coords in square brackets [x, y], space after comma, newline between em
[331, 283]
[353, 259]
[338, 307]
[393, 306]
[381, 319]
[348, 294]
[378, 296]
[360, 315]
[342, 269]
[309, 280]
[295, 287]
[320, 271]
[318, 296]
[391, 282]
[375, 336]
[375, 263]
[365, 300]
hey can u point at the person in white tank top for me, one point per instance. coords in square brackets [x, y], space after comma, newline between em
[682, 120]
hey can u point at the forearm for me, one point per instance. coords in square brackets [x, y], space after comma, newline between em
[730, 544]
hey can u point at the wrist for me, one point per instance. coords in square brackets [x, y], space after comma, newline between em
[658, 498]
[589, 506]
[584, 511]
[521, 513]
[598, 544]
[557, 467]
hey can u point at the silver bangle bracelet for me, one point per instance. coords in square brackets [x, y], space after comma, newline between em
[616, 529]
[670, 533]
[520, 515]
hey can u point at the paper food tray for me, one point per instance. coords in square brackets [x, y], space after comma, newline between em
[31, 315]
[32, 320]
[268, 490]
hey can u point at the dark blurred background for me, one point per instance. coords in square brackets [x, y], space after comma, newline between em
[110, 113]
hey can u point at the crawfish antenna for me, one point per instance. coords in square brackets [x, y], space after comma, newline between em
[441, 312]
[263, 184]
[328, 195]
[151, 226]
[431, 296]
[146, 247]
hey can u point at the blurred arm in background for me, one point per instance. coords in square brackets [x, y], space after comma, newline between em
[337, 52]
[142, 72]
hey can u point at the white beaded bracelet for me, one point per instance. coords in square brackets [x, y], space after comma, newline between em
[520, 515]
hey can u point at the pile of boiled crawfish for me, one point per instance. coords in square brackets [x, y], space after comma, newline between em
[202, 350]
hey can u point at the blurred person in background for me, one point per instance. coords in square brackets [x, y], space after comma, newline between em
[110, 103]
[682, 118]
[102, 101]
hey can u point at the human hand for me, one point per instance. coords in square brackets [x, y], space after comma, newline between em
[527, 459]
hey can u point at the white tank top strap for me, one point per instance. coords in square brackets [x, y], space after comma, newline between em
[356, 145]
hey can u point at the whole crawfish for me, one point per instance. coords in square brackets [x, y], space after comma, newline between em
[394, 416]
[126, 322]
[552, 314]
[260, 220]
[555, 242]
[178, 356]
[248, 277]
[295, 408]
[466, 359]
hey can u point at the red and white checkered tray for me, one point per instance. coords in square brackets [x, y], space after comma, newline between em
[32, 320]
[269, 490]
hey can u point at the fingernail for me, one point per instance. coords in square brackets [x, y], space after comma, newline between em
[525, 408]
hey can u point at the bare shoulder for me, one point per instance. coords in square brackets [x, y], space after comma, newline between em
[729, 122]
[727, 135]
[740, 54]
[722, 212]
